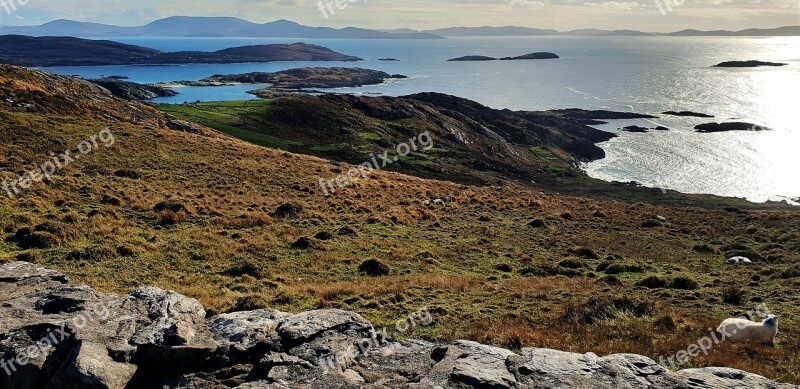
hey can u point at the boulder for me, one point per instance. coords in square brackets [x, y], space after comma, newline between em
[58, 335]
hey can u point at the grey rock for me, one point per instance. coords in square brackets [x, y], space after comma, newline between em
[161, 339]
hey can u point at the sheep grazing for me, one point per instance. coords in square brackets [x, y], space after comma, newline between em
[740, 330]
[735, 260]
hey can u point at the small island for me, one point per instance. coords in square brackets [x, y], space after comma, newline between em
[469, 58]
[539, 55]
[389, 59]
[729, 126]
[688, 113]
[747, 64]
[300, 78]
[634, 129]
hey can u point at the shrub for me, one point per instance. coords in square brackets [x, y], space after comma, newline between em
[653, 282]
[733, 295]
[373, 267]
[685, 283]
[26, 238]
[537, 223]
[251, 268]
[288, 210]
[607, 308]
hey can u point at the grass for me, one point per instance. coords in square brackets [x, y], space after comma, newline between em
[199, 220]
[227, 117]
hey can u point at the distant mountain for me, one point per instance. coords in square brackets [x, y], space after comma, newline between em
[186, 26]
[491, 31]
[780, 31]
[68, 51]
[526, 31]
[596, 32]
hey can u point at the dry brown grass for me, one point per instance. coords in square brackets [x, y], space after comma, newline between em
[467, 269]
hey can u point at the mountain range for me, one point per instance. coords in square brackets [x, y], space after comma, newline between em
[185, 26]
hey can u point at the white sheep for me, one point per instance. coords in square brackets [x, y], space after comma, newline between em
[740, 330]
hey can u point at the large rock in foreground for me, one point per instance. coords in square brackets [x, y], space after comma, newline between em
[57, 335]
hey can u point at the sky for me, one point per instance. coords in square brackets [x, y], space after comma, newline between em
[562, 15]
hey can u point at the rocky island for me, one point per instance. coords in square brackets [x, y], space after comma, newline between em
[688, 113]
[747, 64]
[469, 58]
[300, 78]
[539, 55]
[729, 126]
[67, 51]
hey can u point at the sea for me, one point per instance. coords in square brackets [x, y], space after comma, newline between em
[637, 74]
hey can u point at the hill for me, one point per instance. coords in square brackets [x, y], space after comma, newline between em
[191, 26]
[67, 51]
[237, 226]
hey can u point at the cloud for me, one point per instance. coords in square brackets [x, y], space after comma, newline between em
[620, 5]
[526, 4]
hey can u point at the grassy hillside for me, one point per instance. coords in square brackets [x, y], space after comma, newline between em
[200, 212]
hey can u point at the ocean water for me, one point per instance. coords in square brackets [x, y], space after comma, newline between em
[639, 74]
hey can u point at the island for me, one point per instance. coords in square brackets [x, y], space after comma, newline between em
[688, 113]
[747, 64]
[468, 58]
[300, 78]
[634, 129]
[539, 55]
[67, 51]
[729, 126]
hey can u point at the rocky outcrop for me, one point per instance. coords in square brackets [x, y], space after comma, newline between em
[57, 335]
[133, 91]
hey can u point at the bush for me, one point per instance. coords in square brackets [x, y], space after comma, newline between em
[684, 283]
[251, 268]
[537, 223]
[288, 210]
[607, 308]
[653, 282]
[619, 268]
[733, 295]
[373, 267]
[26, 238]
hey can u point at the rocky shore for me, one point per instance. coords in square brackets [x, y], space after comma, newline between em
[54, 334]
